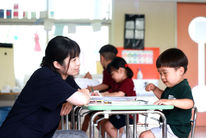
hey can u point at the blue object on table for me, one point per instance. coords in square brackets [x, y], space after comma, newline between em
[3, 113]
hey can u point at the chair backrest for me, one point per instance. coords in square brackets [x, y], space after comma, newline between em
[193, 121]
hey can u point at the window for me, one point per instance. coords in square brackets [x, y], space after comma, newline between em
[25, 37]
[26, 58]
[81, 9]
[90, 42]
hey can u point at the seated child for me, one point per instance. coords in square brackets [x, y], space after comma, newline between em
[172, 66]
[107, 54]
[124, 86]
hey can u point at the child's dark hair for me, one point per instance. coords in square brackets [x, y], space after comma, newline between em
[108, 52]
[58, 49]
[172, 57]
[118, 62]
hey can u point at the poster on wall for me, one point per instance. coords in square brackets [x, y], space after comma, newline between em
[134, 30]
[141, 59]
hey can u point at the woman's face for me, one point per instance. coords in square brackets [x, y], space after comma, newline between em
[74, 66]
[71, 69]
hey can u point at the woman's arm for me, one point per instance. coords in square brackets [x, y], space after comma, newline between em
[80, 97]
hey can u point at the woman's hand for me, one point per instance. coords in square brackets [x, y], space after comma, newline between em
[96, 93]
[84, 91]
[66, 108]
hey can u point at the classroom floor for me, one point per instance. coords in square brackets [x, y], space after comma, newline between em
[200, 132]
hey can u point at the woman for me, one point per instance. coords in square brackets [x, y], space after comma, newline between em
[36, 112]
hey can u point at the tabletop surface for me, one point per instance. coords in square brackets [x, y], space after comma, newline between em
[123, 103]
[128, 107]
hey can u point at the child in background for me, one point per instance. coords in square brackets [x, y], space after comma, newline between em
[124, 86]
[172, 66]
[107, 54]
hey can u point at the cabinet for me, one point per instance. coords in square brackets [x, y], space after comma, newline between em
[7, 65]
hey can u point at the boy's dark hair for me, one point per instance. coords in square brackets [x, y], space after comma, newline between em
[108, 51]
[118, 62]
[172, 57]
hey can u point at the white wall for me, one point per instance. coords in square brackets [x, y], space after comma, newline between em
[160, 22]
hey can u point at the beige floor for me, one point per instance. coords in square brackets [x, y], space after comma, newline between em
[200, 132]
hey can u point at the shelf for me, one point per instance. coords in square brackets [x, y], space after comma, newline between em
[21, 21]
[10, 93]
[57, 21]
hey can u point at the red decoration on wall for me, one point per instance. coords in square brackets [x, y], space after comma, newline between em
[149, 71]
[37, 45]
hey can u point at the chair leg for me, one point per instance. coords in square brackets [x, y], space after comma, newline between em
[194, 121]
[62, 122]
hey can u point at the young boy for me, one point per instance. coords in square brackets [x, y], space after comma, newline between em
[107, 54]
[172, 66]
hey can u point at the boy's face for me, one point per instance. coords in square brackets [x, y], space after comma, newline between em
[171, 76]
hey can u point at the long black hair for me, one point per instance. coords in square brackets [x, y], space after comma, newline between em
[58, 49]
[118, 62]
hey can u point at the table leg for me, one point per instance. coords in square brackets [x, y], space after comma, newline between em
[134, 126]
[164, 126]
[127, 126]
[73, 118]
[79, 118]
[92, 126]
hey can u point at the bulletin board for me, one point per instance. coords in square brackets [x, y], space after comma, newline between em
[134, 31]
[143, 59]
